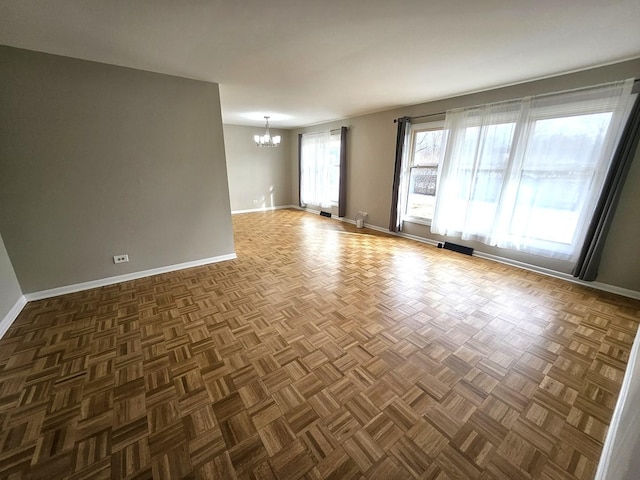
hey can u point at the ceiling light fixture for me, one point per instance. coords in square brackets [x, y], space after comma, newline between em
[267, 140]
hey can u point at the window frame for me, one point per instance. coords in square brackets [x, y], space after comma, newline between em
[409, 164]
[331, 137]
[596, 172]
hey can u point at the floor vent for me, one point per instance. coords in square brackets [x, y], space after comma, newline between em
[456, 248]
[325, 214]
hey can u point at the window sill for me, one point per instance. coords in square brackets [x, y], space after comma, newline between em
[419, 221]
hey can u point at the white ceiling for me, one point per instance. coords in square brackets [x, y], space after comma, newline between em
[306, 62]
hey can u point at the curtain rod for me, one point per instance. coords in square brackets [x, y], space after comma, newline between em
[395, 120]
[634, 89]
[330, 131]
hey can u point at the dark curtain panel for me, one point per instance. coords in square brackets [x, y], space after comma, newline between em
[300, 171]
[342, 193]
[587, 266]
[394, 220]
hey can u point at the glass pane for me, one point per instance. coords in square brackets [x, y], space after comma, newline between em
[427, 147]
[488, 184]
[489, 145]
[568, 142]
[423, 180]
[485, 150]
[421, 199]
[562, 156]
[548, 205]
[496, 146]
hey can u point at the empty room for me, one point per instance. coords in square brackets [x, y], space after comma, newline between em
[329, 240]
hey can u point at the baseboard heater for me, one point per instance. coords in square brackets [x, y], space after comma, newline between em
[456, 248]
[325, 214]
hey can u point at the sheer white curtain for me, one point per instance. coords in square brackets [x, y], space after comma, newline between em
[526, 174]
[316, 169]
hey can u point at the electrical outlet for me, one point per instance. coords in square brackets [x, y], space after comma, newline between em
[255, 202]
[120, 258]
[364, 214]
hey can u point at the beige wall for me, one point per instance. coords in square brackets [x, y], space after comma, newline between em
[620, 264]
[259, 177]
[98, 160]
[371, 151]
[10, 291]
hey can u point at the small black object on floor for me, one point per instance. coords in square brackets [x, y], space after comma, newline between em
[456, 248]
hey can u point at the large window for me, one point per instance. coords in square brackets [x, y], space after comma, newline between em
[320, 168]
[527, 174]
[421, 172]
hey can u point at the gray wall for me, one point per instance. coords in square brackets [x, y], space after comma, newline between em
[371, 150]
[98, 160]
[10, 291]
[259, 177]
[620, 263]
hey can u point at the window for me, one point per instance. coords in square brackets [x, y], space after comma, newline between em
[555, 176]
[421, 172]
[526, 174]
[320, 168]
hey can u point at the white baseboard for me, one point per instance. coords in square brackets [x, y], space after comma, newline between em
[416, 238]
[311, 210]
[372, 227]
[262, 209]
[625, 292]
[11, 316]
[78, 287]
[347, 220]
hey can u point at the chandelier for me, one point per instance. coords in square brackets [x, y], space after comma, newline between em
[267, 140]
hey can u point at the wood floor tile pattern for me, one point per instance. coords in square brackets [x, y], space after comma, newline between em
[321, 352]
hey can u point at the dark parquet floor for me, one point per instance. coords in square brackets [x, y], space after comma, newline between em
[323, 351]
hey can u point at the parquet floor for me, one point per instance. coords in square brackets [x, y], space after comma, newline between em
[321, 352]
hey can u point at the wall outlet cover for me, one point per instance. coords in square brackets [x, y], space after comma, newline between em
[120, 258]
